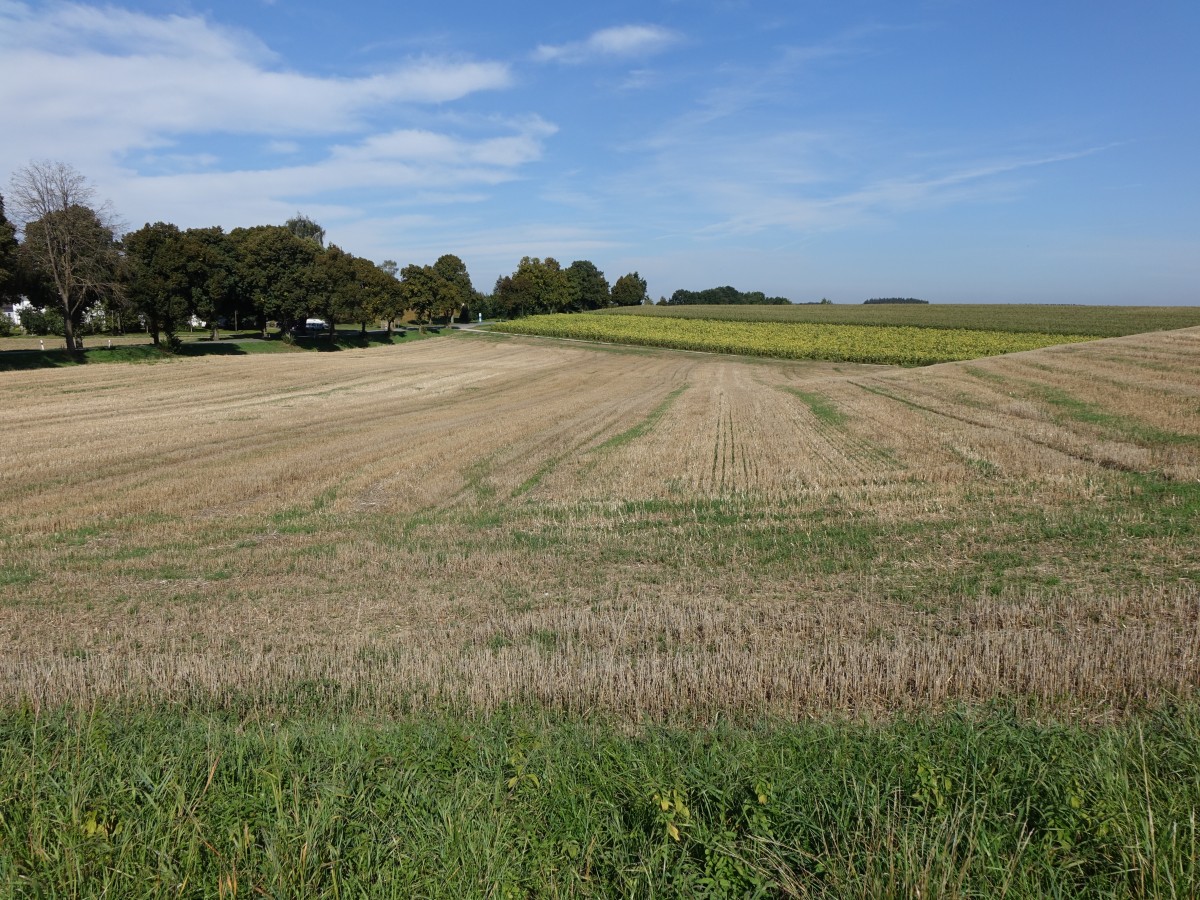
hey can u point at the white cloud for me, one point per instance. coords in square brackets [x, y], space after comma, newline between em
[405, 165]
[180, 119]
[415, 146]
[621, 42]
[106, 81]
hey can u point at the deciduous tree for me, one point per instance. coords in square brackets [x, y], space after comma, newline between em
[513, 295]
[589, 287]
[303, 227]
[537, 286]
[630, 290]
[214, 277]
[8, 257]
[382, 297]
[337, 293]
[461, 293]
[160, 266]
[69, 240]
[425, 292]
[275, 268]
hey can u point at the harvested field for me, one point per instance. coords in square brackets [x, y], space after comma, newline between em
[478, 520]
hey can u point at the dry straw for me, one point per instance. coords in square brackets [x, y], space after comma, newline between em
[478, 522]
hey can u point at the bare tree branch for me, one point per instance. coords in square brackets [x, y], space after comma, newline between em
[69, 239]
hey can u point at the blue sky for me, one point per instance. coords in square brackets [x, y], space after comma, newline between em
[954, 150]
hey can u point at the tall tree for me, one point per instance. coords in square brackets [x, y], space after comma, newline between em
[514, 295]
[8, 257]
[337, 294]
[538, 286]
[69, 239]
[303, 227]
[382, 297]
[425, 292]
[275, 269]
[213, 277]
[630, 290]
[589, 287]
[160, 261]
[460, 291]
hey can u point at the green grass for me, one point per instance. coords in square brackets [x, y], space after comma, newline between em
[1082, 411]
[353, 339]
[160, 802]
[642, 427]
[14, 360]
[821, 407]
[1102, 321]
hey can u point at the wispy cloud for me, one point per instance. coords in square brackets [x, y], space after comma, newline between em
[621, 42]
[736, 161]
[432, 148]
[839, 202]
[404, 164]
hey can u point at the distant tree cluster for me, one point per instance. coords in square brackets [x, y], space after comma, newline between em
[544, 286]
[81, 275]
[722, 295]
[893, 300]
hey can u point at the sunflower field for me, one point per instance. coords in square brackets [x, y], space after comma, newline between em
[887, 345]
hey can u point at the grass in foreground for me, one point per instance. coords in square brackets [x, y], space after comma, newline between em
[1101, 321]
[155, 802]
[889, 345]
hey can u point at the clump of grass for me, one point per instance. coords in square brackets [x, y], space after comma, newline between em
[821, 407]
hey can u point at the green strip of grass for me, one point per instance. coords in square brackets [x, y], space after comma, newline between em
[1082, 411]
[642, 427]
[158, 802]
[820, 406]
[15, 360]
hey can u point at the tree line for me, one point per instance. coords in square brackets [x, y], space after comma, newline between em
[722, 295]
[71, 262]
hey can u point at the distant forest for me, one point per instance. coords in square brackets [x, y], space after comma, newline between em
[722, 295]
[894, 300]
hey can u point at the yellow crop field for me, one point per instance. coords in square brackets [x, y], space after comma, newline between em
[891, 345]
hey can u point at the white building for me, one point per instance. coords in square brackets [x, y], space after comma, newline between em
[13, 310]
